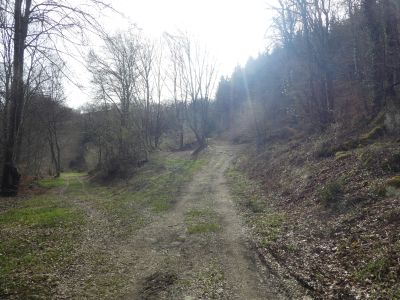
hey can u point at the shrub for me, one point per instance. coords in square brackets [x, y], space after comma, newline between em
[331, 193]
[324, 150]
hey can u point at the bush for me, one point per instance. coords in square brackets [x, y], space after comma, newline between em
[324, 150]
[331, 194]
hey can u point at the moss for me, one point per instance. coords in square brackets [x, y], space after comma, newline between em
[394, 182]
[342, 155]
[367, 158]
[379, 119]
[328, 150]
[373, 134]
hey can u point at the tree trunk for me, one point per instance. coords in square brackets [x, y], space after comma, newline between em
[54, 150]
[181, 137]
[11, 176]
[392, 48]
[375, 32]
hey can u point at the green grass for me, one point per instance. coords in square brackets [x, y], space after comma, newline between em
[36, 240]
[198, 213]
[40, 236]
[376, 269]
[203, 228]
[55, 182]
[268, 226]
[201, 221]
[38, 216]
[265, 223]
[49, 183]
[245, 191]
[155, 189]
[162, 187]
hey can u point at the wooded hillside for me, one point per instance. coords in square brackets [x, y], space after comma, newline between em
[305, 138]
[322, 109]
[334, 62]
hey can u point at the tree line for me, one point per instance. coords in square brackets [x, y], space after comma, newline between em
[142, 90]
[146, 89]
[333, 62]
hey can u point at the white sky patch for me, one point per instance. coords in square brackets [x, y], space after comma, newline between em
[232, 30]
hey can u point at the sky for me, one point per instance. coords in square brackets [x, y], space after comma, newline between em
[232, 30]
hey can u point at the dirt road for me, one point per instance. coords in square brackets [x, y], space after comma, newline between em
[200, 250]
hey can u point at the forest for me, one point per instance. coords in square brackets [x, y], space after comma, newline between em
[173, 182]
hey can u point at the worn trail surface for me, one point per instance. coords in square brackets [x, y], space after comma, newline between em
[200, 250]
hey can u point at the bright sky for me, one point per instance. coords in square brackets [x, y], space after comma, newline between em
[233, 30]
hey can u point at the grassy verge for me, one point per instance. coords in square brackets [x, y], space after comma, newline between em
[41, 238]
[265, 223]
[130, 205]
[37, 241]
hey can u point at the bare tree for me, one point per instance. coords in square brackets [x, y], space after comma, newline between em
[55, 114]
[159, 79]
[146, 56]
[194, 75]
[179, 91]
[116, 74]
[199, 74]
[34, 26]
